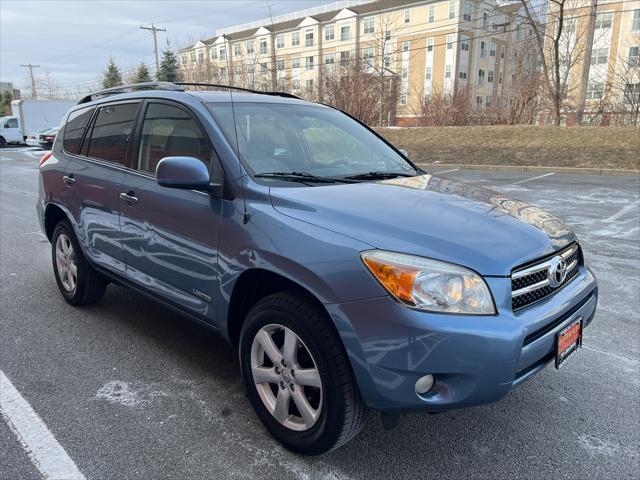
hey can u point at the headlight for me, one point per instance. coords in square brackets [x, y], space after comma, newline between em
[430, 284]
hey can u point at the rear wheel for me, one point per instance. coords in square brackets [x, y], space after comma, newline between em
[3, 142]
[298, 376]
[78, 282]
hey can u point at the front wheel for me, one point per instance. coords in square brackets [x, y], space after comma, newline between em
[298, 376]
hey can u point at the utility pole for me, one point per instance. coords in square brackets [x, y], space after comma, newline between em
[154, 30]
[586, 62]
[30, 66]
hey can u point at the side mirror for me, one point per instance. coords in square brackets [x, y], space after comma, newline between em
[187, 173]
[404, 152]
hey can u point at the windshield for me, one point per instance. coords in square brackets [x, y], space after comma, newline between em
[299, 138]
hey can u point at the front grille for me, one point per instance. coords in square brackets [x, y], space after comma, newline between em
[536, 281]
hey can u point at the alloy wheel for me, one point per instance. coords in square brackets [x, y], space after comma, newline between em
[66, 263]
[286, 377]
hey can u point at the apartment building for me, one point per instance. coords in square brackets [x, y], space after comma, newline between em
[420, 48]
[612, 70]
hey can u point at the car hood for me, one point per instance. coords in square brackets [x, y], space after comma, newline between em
[434, 217]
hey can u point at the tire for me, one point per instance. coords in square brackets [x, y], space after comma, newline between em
[340, 410]
[3, 142]
[88, 286]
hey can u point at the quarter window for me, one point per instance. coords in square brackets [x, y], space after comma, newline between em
[74, 129]
[111, 132]
[169, 131]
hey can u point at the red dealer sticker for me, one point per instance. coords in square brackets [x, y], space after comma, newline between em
[569, 339]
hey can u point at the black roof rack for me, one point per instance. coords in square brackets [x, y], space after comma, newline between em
[241, 89]
[171, 86]
[131, 87]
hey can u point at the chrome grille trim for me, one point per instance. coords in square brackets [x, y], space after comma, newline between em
[533, 283]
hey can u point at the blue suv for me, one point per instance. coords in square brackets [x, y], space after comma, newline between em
[348, 278]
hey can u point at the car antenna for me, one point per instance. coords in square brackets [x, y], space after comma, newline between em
[245, 215]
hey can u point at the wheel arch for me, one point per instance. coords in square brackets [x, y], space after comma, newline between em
[53, 214]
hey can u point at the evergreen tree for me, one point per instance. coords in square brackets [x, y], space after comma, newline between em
[142, 74]
[5, 103]
[169, 71]
[111, 76]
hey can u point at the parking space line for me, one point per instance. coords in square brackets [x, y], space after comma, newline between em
[46, 454]
[447, 171]
[534, 178]
[621, 212]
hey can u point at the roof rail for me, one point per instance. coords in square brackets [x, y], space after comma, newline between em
[131, 87]
[241, 89]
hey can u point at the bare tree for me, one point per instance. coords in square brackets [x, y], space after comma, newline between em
[625, 85]
[441, 108]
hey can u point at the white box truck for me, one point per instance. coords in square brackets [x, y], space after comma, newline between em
[37, 115]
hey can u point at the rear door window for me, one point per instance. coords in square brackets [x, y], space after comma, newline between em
[74, 129]
[170, 131]
[112, 132]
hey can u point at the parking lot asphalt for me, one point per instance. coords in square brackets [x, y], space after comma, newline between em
[132, 391]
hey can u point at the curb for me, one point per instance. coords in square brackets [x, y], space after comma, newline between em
[530, 168]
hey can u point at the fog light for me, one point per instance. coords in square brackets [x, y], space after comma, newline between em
[424, 384]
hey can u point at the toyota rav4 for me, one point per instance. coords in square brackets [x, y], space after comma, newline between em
[348, 278]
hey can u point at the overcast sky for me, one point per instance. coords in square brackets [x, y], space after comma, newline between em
[73, 40]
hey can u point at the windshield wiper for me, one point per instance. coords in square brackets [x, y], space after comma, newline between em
[300, 177]
[380, 175]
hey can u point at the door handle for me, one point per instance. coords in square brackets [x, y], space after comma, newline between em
[130, 199]
[69, 180]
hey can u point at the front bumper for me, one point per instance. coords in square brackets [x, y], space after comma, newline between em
[475, 359]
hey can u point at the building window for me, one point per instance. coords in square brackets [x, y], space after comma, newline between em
[447, 71]
[428, 73]
[483, 50]
[296, 84]
[344, 56]
[635, 22]
[490, 76]
[295, 62]
[309, 84]
[369, 25]
[264, 67]
[345, 33]
[223, 53]
[263, 46]
[599, 56]
[466, 13]
[329, 33]
[429, 44]
[452, 9]
[632, 93]
[295, 39]
[308, 63]
[464, 45]
[492, 49]
[368, 54]
[308, 38]
[432, 13]
[403, 99]
[633, 59]
[479, 101]
[214, 54]
[604, 20]
[449, 42]
[485, 20]
[462, 75]
[237, 49]
[249, 46]
[500, 77]
[405, 72]
[487, 101]
[279, 64]
[502, 51]
[595, 91]
[406, 46]
[387, 36]
[407, 15]
[280, 40]
[481, 77]
[329, 58]
[200, 57]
